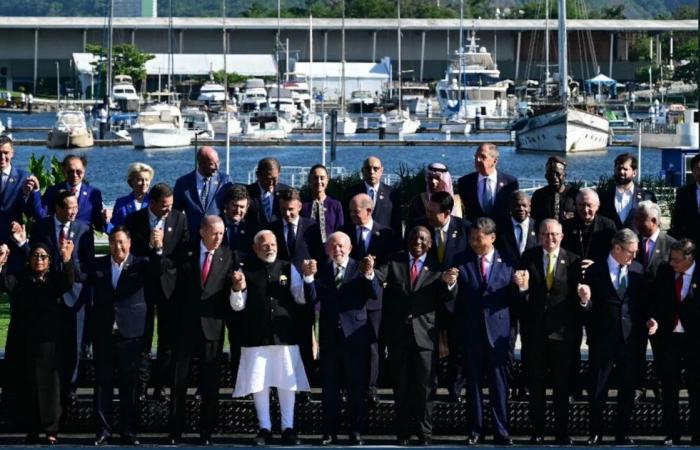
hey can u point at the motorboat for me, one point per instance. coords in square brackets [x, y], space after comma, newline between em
[70, 130]
[265, 126]
[218, 122]
[197, 122]
[160, 125]
[254, 96]
[361, 102]
[123, 89]
[456, 124]
[400, 122]
[212, 91]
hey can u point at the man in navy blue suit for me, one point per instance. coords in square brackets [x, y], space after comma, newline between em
[264, 194]
[19, 194]
[91, 210]
[200, 192]
[119, 316]
[483, 290]
[615, 301]
[52, 231]
[485, 193]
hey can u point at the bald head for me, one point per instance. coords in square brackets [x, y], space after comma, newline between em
[372, 171]
[207, 161]
[360, 209]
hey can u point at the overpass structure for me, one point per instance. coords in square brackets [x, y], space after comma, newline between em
[33, 48]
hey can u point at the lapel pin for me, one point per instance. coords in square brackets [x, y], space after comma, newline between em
[657, 251]
[11, 180]
[72, 234]
[694, 286]
[532, 233]
[376, 233]
[500, 184]
[242, 231]
[454, 234]
[425, 268]
[575, 231]
[381, 197]
[498, 259]
[84, 193]
[170, 229]
[561, 261]
[189, 253]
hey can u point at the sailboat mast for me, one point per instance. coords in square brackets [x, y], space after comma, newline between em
[563, 56]
[460, 55]
[170, 50]
[110, 31]
[312, 107]
[225, 47]
[546, 41]
[398, 35]
[342, 63]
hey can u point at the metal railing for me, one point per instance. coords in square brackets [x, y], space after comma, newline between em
[297, 176]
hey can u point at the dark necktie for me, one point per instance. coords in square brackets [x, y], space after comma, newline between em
[338, 277]
[487, 197]
[62, 236]
[484, 269]
[291, 239]
[647, 256]
[361, 242]
[204, 196]
[621, 281]
[679, 292]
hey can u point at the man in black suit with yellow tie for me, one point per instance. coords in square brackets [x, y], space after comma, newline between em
[547, 323]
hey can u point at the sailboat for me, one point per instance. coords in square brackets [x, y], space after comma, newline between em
[399, 121]
[345, 125]
[562, 128]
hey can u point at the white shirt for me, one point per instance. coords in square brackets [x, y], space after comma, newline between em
[493, 178]
[343, 267]
[687, 278]
[444, 229]
[137, 205]
[652, 242]
[202, 255]
[614, 269]
[623, 201]
[117, 270]
[366, 232]
[5, 177]
[77, 188]
[155, 222]
[524, 226]
[237, 300]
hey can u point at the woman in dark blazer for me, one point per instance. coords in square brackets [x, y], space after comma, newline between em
[331, 211]
[34, 339]
[138, 176]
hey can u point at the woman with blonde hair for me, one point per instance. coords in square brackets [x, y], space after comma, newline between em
[138, 176]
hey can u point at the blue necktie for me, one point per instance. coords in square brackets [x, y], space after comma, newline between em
[372, 194]
[267, 204]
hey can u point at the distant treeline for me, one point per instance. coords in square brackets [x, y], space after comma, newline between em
[604, 9]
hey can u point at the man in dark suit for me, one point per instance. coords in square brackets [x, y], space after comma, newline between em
[264, 194]
[451, 238]
[374, 239]
[685, 220]
[485, 193]
[53, 231]
[386, 201]
[344, 287]
[614, 297]
[675, 318]
[158, 231]
[557, 200]
[620, 202]
[201, 305]
[412, 293]
[119, 316]
[300, 239]
[91, 210]
[200, 192]
[548, 280]
[482, 291]
[19, 195]
[654, 250]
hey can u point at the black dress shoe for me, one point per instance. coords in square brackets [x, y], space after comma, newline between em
[503, 440]
[31, 439]
[537, 440]
[356, 439]
[264, 437]
[129, 440]
[563, 440]
[329, 439]
[372, 396]
[624, 440]
[289, 437]
[102, 440]
[474, 439]
[51, 440]
[672, 441]
[595, 439]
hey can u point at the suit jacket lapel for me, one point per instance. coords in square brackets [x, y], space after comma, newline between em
[422, 275]
[10, 187]
[123, 274]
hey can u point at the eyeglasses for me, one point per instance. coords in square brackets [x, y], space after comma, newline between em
[40, 257]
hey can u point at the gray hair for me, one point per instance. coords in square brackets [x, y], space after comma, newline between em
[587, 191]
[490, 148]
[136, 168]
[649, 209]
[364, 201]
[210, 220]
[545, 222]
[340, 236]
[625, 237]
[258, 236]
[484, 225]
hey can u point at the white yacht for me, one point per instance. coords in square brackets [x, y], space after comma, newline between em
[197, 122]
[212, 91]
[160, 125]
[265, 126]
[361, 102]
[401, 123]
[123, 89]
[218, 122]
[254, 96]
[70, 130]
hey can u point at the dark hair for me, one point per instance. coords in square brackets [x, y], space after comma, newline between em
[289, 194]
[235, 192]
[59, 201]
[119, 229]
[5, 139]
[515, 196]
[317, 166]
[444, 200]
[694, 161]
[415, 230]
[267, 164]
[69, 158]
[160, 191]
[484, 225]
[623, 158]
[686, 246]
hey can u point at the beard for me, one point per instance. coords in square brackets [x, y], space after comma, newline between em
[269, 258]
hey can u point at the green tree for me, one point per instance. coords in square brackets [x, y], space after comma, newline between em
[126, 60]
[687, 49]
[233, 78]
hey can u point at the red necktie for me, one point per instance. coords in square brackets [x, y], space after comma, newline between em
[679, 290]
[62, 236]
[414, 272]
[484, 269]
[205, 267]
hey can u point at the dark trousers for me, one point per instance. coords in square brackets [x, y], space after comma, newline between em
[680, 353]
[234, 341]
[209, 360]
[343, 361]
[162, 371]
[39, 401]
[623, 355]
[413, 371]
[376, 350]
[125, 352]
[482, 358]
[305, 332]
[543, 356]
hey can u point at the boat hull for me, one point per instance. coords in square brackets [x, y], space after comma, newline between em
[62, 139]
[564, 130]
[145, 138]
[402, 126]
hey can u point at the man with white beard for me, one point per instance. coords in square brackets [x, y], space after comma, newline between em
[270, 294]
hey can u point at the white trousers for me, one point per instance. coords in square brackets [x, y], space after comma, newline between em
[262, 408]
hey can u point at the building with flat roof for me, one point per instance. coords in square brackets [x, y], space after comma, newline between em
[135, 8]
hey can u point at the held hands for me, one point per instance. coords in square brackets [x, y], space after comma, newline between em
[106, 215]
[238, 280]
[450, 276]
[30, 184]
[652, 326]
[584, 293]
[367, 265]
[67, 250]
[309, 267]
[18, 232]
[156, 240]
[522, 279]
[4, 254]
